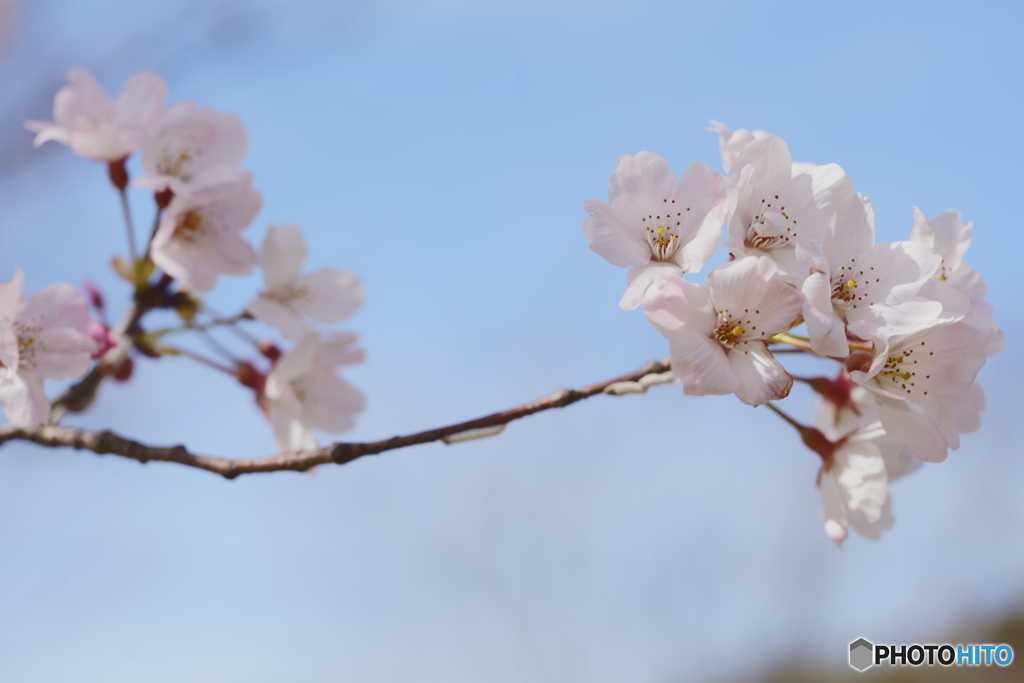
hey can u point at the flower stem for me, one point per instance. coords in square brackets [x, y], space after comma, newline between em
[198, 358]
[129, 225]
[801, 343]
[784, 416]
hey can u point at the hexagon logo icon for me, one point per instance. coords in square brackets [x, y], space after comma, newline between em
[861, 654]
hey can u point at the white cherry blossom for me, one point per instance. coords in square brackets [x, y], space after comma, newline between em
[864, 285]
[288, 297]
[956, 283]
[45, 336]
[93, 125]
[922, 384]
[199, 236]
[303, 392]
[653, 224]
[855, 488]
[190, 147]
[732, 142]
[771, 212]
[717, 334]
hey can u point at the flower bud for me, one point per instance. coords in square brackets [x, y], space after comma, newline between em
[248, 376]
[163, 198]
[101, 336]
[118, 173]
[269, 350]
[93, 294]
[123, 371]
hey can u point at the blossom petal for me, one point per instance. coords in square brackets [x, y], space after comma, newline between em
[760, 377]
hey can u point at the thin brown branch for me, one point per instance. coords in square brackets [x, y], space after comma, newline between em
[107, 442]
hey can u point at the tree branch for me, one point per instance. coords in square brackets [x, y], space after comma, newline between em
[107, 442]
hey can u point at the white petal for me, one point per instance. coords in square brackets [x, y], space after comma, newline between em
[826, 330]
[760, 378]
[914, 429]
[334, 295]
[610, 239]
[297, 362]
[24, 399]
[282, 255]
[288, 321]
[673, 302]
[700, 364]
[640, 279]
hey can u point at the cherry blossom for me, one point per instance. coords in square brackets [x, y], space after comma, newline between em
[190, 147]
[864, 285]
[922, 385]
[45, 336]
[653, 224]
[717, 334]
[326, 295]
[956, 283]
[732, 142]
[855, 489]
[771, 211]
[93, 125]
[199, 236]
[303, 391]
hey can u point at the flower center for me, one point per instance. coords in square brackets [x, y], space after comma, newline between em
[191, 226]
[770, 228]
[851, 285]
[730, 330]
[289, 294]
[661, 232]
[28, 344]
[898, 373]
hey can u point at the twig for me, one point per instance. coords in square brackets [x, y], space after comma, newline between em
[105, 442]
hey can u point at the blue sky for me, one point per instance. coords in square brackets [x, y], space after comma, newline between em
[443, 150]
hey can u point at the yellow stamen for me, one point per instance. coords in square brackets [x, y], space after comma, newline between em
[904, 375]
[736, 331]
[851, 283]
[660, 230]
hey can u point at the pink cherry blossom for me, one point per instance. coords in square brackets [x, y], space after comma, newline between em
[865, 286]
[771, 212]
[717, 334]
[199, 237]
[303, 391]
[93, 125]
[45, 336]
[191, 147]
[288, 297]
[653, 224]
[922, 384]
[731, 144]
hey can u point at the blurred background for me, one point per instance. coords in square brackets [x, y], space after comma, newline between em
[443, 150]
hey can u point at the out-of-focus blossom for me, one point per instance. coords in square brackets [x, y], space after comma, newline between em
[93, 125]
[199, 237]
[865, 286]
[191, 147]
[288, 297]
[654, 224]
[777, 216]
[855, 487]
[44, 336]
[717, 334]
[303, 392]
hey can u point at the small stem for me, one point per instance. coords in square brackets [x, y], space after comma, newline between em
[212, 342]
[152, 233]
[201, 359]
[786, 338]
[784, 416]
[129, 225]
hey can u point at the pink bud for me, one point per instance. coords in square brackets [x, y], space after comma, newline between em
[836, 391]
[102, 337]
[93, 294]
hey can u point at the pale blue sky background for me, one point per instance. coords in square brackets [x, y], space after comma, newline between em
[443, 150]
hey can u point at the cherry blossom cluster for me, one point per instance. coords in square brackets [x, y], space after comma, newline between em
[191, 161]
[906, 321]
